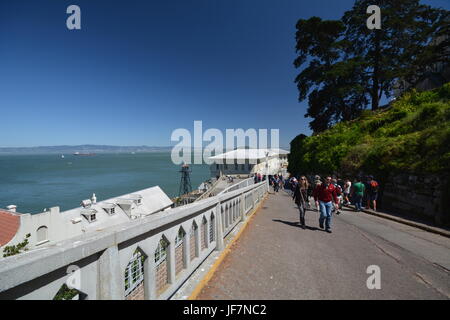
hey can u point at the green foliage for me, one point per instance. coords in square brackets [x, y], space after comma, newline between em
[64, 293]
[411, 136]
[16, 249]
[344, 65]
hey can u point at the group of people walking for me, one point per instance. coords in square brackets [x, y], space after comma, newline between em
[276, 182]
[363, 192]
[330, 194]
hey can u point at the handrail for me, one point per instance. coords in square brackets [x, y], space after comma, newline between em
[19, 270]
[242, 184]
[207, 193]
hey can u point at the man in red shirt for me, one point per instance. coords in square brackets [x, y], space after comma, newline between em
[324, 195]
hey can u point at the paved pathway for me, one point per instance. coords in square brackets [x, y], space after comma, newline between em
[275, 259]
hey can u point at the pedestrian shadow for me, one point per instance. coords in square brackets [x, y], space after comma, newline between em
[295, 224]
[312, 228]
[307, 209]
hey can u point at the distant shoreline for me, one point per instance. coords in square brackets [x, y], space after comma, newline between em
[68, 150]
[70, 154]
[86, 149]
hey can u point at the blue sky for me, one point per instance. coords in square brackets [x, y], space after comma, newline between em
[140, 69]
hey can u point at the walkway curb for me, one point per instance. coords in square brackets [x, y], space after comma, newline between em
[407, 222]
[203, 282]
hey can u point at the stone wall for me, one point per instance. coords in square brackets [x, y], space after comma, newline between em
[137, 294]
[179, 259]
[162, 276]
[424, 196]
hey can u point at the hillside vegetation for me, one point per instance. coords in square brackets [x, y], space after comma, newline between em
[412, 136]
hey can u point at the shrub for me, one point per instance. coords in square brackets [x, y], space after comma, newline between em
[411, 136]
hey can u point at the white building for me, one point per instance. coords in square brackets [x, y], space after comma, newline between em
[53, 226]
[249, 162]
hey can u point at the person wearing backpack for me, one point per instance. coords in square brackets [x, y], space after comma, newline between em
[372, 193]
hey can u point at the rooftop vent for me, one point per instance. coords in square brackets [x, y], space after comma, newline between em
[75, 220]
[110, 208]
[137, 198]
[12, 208]
[127, 205]
[86, 203]
[89, 214]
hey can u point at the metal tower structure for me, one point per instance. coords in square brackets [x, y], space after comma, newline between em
[185, 184]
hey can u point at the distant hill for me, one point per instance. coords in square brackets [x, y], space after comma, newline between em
[86, 148]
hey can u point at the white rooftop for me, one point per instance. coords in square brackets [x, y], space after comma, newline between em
[126, 207]
[249, 154]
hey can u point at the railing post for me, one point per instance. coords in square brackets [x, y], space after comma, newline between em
[219, 233]
[198, 241]
[206, 232]
[186, 251]
[110, 277]
[150, 278]
[242, 206]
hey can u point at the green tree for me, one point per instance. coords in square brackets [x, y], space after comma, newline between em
[328, 81]
[295, 157]
[345, 66]
[402, 48]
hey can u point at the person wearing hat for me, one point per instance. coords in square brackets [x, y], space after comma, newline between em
[317, 183]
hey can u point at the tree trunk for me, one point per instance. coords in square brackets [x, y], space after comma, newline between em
[376, 72]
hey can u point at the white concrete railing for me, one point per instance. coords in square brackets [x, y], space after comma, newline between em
[239, 185]
[103, 258]
[208, 192]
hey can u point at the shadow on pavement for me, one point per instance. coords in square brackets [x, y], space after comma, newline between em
[295, 224]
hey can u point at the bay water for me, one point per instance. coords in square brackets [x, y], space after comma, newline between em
[38, 181]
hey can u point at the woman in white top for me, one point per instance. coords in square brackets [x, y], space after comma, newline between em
[347, 188]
